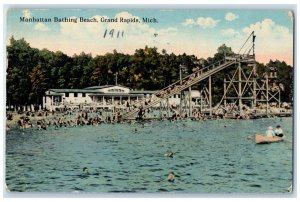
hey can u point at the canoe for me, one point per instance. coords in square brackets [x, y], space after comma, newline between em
[262, 139]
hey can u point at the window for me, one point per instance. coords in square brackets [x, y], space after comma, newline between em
[67, 94]
[117, 90]
[75, 94]
[83, 94]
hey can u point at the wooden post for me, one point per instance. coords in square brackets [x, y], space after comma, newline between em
[279, 99]
[240, 87]
[180, 101]
[254, 94]
[201, 102]
[160, 109]
[190, 101]
[267, 86]
[210, 97]
[168, 108]
[225, 101]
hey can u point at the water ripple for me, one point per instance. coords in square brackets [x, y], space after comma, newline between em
[208, 158]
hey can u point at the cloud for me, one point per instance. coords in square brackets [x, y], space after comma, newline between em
[268, 28]
[230, 32]
[272, 39]
[207, 22]
[41, 27]
[90, 36]
[231, 16]
[81, 30]
[133, 28]
[202, 22]
[169, 30]
[189, 22]
[26, 13]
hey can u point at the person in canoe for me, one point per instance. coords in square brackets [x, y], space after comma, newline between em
[269, 138]
[270, 132]
[278, 131]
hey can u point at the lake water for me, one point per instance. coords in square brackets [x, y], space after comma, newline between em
[213, 156]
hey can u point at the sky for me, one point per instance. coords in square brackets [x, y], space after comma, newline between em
[199, 32]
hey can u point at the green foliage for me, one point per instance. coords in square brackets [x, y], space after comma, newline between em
[31, 72]
[38, 83]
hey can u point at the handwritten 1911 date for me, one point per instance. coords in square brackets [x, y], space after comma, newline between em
[113, 33]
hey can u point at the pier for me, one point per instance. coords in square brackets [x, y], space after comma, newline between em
[244, 92]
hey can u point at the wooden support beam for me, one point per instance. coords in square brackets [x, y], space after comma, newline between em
[210, 96]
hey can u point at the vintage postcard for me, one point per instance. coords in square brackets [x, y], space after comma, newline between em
[196, 101]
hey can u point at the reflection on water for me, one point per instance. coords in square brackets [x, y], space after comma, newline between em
[213, 156]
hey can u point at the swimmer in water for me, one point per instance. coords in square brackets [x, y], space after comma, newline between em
[55, 125]
[169, 154]
[6, 188]
[85, 171]
[290, 189]
[171, 177]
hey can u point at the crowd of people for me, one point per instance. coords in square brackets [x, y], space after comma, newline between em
[70, 118]
[67, 117]
[44, 120]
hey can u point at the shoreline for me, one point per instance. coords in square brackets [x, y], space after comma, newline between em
[75, 118]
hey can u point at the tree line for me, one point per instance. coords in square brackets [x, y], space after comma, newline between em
[30, 71]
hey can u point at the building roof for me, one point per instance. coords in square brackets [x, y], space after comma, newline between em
[95, 90]
[72, 90]
[54, 94]
[143, 92]
[105, 86]
[98, 87]
[117, 94]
